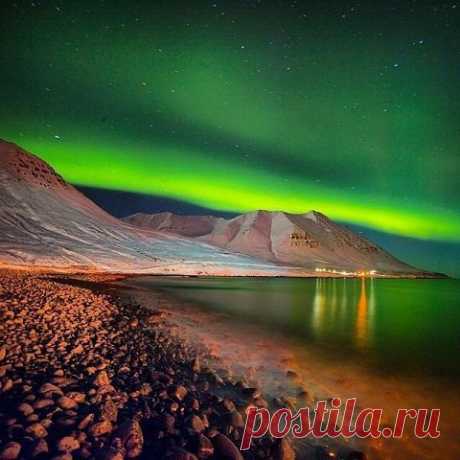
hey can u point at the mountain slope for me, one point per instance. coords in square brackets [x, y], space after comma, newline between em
[308, 240]
[46, 223]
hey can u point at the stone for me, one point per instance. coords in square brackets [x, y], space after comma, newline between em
[40, 448]
[196, 366]
[43, 403]
[48, 389]
[181, 455]
[25, 409]
[102, 378]
[109, 411]
[66, 403]
[68, 444]
[4, 369]
[225, 449]
[236, 419]
[7, 385]
[228, 405]
[132, 438]
[37, 430]
[284, 451]
[196, 424]
[169, 423]
[76, 396]
[63, 456]
[100, 428]
[86, 421]
[11, 451]
[205, 447]
[180, 392]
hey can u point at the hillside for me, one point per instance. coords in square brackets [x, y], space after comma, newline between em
[309, 240]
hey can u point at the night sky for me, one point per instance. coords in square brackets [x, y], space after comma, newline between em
[349, 108]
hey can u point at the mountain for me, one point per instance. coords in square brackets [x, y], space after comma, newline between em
[47, 224]
[309, 240]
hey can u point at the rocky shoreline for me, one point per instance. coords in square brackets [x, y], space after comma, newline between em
[85, 375]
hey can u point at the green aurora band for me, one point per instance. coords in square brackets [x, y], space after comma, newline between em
[222, 109]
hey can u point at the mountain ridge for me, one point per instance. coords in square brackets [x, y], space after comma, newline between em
[310, 240]
[47, 224]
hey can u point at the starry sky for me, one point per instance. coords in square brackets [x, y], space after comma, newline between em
[349, 108]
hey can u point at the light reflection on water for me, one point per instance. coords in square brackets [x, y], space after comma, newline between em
[407, 326]
[390, 343]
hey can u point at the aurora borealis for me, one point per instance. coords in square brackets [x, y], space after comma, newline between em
[347, 108]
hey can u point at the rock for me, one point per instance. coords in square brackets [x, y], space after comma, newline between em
[228, 405]
[283, 450]
[180, 392]
[109, 411]
[11, 451]
[68, 444]
[4, 369]
[77, 350]
[49, 389]
[105, 390]
[39, 448]
[146, 389]
[46, 422]
[66, 421]
[196, 424]
[37, 430]
[25, 409]
[113, 454]
[196, 366]
[7, 385]
[205, 448]
[86, 421]
[102, 378]
[225, 449]
[76, 396]
[169, 423]
[43, 403]
[181, 455]
[66, 403]
[100, 428]
[132, 438]
[63, 456]
[236, 419]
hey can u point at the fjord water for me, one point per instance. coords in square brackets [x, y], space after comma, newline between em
[389, 342]
[409, 327]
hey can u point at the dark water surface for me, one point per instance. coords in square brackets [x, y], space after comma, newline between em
[397, 326]
[389, 343]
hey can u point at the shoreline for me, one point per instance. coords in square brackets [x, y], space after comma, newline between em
[88, 375]
[107, 275]
[66, 330]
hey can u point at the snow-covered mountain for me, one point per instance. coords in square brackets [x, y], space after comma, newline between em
[46, 223]
[309, 240]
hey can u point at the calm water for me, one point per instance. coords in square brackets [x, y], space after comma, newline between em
[389, 343]
[396, 326]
